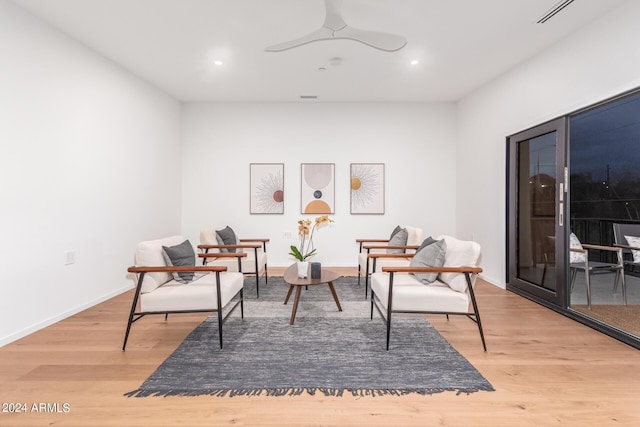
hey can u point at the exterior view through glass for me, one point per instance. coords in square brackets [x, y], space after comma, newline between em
[537, 210]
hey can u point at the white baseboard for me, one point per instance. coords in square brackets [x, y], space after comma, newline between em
[50, 321]
[493, 282]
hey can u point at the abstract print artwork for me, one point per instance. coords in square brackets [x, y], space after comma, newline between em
[317, 188]
[367, 188]
[267, 188]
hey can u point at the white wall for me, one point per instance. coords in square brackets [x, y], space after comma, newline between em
[415, 141]
[88, 162]
[594, 63]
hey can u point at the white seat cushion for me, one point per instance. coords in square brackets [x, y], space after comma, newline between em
[412, 295]
[197, 295]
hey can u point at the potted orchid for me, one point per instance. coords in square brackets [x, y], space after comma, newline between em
[306, 249]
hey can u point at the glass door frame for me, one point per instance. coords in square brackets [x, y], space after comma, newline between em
[558, 298]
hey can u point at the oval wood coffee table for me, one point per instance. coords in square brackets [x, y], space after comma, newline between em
[292, 279]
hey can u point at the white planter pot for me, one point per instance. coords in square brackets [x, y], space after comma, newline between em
[303, 269]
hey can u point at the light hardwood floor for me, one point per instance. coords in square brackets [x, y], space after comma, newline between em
[547, 370]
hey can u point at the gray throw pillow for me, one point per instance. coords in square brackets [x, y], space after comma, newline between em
[395, 230]
[399, 238]
[180, 255]
[430, 254]
[226, 236]
[426, 242]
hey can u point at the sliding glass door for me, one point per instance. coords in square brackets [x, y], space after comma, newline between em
[605, 211]
[537, 205]
[573, 216]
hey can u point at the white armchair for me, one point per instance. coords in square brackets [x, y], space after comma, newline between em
[396, 245]
[166, 285]
[218, 252]
[398, 290]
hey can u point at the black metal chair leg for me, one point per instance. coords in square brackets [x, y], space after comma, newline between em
[388, 329]
[371, 305]
[366, 279]
[220, 326]
[133, 310]
[389, 305]
[475, 310]
[255, 256]
[219, 295]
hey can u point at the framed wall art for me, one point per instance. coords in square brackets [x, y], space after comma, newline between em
[317, 184]
[267, 188]
[367, 188]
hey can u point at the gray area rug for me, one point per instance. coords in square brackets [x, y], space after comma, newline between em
[325, 351]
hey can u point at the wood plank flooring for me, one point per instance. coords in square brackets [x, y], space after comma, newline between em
[547, 371]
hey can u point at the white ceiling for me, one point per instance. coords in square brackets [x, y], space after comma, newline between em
[461, 44]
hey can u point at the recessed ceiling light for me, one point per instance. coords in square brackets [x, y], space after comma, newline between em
[218, 63]
[415, 62]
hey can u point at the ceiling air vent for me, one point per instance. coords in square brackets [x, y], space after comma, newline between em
[554, 11]
[308, 96]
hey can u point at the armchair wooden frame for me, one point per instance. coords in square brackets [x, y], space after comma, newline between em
[244, 245]
[387, 314]
[134, 315]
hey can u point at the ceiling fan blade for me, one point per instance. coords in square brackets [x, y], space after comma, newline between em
[335, 27]
[333, 18]
[321, 33]
[383, 41]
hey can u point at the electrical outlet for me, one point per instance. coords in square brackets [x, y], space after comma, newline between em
[287, 235]
[69, 257]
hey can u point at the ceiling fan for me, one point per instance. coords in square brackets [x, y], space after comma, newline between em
[335, 28]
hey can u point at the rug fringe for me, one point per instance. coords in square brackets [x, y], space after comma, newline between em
[297, 391]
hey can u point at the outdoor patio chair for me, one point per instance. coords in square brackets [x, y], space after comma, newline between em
[622, 233]
[579, 261]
